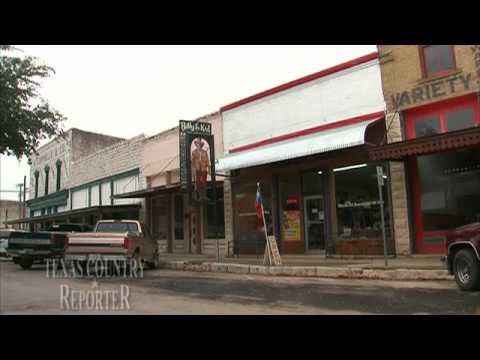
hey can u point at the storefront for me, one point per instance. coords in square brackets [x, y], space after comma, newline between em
[306, 143]
[442, 157]
[177, 225]
[326, 202]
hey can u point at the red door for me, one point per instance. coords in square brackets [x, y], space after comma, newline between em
[426, 242]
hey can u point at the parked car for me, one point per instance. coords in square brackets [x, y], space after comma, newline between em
[4, 235]
[463, 256]
[27, 248]
[113, 240]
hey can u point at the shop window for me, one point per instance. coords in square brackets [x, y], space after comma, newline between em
[178, 217]
[460, 119]
[449, 189]
[159, 216]
[427, 126]
[290, 216]
[437, 59]
[214, 229]
[312, 183]
[249, 237]
[358, 205]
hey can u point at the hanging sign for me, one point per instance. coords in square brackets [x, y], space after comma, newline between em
[197, 158]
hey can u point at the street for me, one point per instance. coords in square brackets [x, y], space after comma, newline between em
[168, 292]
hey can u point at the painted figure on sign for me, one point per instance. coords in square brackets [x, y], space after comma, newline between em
[200, 167]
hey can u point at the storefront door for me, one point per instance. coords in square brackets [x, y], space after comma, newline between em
[314, 222]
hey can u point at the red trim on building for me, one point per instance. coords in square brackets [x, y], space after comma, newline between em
[440, 108]
[333, 125]
[288, 85]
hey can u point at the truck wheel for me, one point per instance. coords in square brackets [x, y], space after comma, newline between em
[25, 263]
[466, 269]
[155, 262]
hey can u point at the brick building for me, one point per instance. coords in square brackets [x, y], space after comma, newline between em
[73, 178]
[433, 137]
[9, 210]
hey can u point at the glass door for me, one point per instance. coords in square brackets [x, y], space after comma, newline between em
[314, 223]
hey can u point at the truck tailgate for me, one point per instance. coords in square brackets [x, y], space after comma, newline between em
[96, 243]
[37, 241]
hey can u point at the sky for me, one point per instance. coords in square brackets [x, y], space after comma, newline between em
[125, 91]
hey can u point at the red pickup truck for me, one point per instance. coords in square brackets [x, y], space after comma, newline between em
[463, 256]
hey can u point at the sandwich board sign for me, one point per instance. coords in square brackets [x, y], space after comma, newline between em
[272, 255]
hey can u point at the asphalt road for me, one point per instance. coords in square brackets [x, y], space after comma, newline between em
[185, 293]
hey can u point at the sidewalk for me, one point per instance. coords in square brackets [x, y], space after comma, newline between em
[416, 267]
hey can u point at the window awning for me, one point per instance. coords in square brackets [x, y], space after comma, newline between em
[76, 212]
[426, 145]
[321, 142]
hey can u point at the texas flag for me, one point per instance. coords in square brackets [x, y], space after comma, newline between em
[258, 207]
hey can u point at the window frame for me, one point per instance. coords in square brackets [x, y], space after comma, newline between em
[59, 174]
[441, 109]
[425, 74]
[36, 174]
[47, 176]
[220, 200]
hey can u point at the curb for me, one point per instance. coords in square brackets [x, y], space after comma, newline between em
[310, 271]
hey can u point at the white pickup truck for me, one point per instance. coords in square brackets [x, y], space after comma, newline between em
[113, 240]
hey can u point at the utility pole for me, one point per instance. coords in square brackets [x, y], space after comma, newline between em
[20, 186]
[381, 183]
[24, 195]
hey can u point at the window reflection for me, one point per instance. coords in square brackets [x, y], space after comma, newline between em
[450, 189]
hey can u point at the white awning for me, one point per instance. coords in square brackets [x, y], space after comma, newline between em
[328, 140]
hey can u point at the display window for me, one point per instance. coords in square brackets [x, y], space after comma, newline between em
[446, 195]
[358, 203]
[249, 237]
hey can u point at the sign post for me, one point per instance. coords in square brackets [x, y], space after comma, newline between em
[381, 183]
[198, 163]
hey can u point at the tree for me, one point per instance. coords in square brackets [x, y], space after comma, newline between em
[25, 117]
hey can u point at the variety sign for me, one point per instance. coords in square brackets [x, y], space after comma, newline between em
[432, 91]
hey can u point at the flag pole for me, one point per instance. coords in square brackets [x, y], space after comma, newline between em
[267, 247]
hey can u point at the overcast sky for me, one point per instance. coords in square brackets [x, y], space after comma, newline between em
[128, 90]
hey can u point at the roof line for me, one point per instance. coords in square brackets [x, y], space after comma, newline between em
[302, 80]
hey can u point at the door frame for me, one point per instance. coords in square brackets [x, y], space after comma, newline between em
[306, 221]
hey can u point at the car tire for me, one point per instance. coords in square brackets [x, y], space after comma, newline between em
[155, 262]
[135, 257]
[466, 269]
[25, 264]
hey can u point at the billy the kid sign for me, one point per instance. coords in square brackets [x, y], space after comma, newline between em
[197, 158]
[432, 91]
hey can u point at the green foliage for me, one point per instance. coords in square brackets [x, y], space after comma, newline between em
[25, 117]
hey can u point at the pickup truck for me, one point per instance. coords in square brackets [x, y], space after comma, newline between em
[4, 236]
[27, 248]
[463, 256]
[113, 240]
